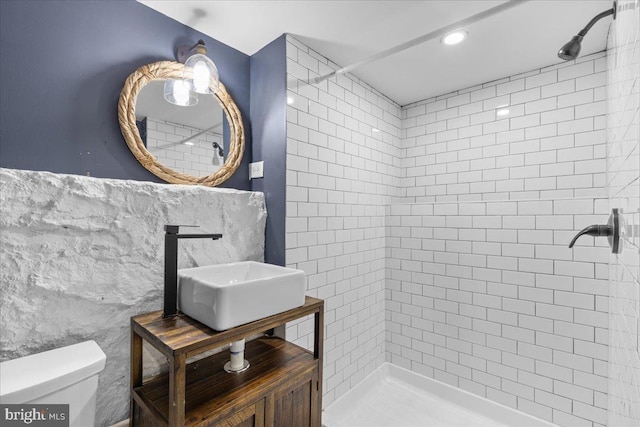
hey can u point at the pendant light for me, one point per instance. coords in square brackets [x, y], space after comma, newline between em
[200, 76]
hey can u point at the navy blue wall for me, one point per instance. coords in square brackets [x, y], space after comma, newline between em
[268, 120]
[63, 66]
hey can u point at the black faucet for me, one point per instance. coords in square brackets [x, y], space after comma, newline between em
[171, 237]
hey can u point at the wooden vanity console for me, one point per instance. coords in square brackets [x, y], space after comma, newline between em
[282, 387]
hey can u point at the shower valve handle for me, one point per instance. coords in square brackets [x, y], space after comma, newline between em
[611, 230]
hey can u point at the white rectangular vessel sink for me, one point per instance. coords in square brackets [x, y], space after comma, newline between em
[226, 295]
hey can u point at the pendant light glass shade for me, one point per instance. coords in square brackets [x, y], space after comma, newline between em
[204, 72]
[179, 92]
[200, 75]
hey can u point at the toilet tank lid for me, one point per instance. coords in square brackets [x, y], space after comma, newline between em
[28, 378]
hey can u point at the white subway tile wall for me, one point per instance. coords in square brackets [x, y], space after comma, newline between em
[471, 208]
[538, 135]
[343, 156]
[623, 153]
[486, 296]
[197, 158]
[482, 290]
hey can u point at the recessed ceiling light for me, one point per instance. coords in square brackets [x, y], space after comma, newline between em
[454, 38]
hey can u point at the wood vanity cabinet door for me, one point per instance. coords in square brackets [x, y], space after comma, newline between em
[250, 416]
[293, 406]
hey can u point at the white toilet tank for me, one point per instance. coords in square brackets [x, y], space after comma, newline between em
[67, 375]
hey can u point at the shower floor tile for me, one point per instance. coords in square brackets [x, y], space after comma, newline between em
[394, 403]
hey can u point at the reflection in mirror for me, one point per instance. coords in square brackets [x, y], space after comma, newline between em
[190, 139]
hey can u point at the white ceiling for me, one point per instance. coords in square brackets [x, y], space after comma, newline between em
[518, 40]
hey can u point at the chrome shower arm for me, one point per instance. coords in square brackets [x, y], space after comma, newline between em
[596, 18]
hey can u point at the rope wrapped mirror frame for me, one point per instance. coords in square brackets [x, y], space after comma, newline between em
[164, 70]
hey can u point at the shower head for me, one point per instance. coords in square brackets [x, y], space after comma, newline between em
[571, 50]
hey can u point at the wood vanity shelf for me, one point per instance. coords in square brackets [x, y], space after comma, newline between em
[282, 388]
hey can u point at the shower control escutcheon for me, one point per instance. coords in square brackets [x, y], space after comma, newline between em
[611, 230]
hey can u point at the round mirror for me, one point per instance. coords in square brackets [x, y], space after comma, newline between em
[181, 145]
